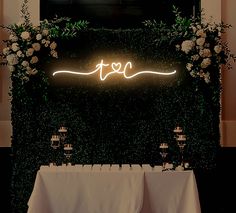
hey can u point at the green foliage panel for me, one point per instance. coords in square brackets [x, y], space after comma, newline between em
[118, 123]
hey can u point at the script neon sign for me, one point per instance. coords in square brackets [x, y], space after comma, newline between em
[115, 68]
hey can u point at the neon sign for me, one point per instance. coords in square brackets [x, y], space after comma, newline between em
[115, 68]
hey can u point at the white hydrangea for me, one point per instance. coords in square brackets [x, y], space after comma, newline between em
[189, 66]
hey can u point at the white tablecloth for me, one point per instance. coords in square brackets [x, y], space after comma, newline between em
[77, 189]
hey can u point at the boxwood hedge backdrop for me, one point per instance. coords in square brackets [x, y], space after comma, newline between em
[115, 121]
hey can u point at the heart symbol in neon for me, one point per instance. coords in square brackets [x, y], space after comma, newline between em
[116, 67]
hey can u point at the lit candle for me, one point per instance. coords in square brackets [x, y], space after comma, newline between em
[163, 146]
[68, 147]
[178, 129]
[181, 138]
[55, 138]
[62, 129]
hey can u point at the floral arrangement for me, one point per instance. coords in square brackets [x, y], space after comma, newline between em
[200, 43]
[26, 42]
[204, 48]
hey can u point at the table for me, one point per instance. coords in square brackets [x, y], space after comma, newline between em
[105, 189]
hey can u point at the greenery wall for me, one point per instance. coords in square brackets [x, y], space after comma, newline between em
[112, 123]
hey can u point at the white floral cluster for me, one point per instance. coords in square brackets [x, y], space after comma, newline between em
[23, 47]
[204, 49]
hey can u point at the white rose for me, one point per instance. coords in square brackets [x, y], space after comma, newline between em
[53, 45]
[201, 33]
[205, 53]
[187, 46]
[11, 68]
[193, 74]
[31, 71]
[25, 78]
[25, 63]
[206, 77]
[39, 37]
[34, 60]
[218, 49]
[189, 66]
[36, 46]
[205, 62]
[47, 42]
[19, 53]
[12, 59]
[43, 41]
[45, 32]
[195, 57]
[194, 29]
[13, 38]
[200, 41]
[25, 35]
[29, 52]
[54, 54]
[6, 51]
[15, 47]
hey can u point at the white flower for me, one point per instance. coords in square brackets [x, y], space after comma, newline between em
[25, 63]
[205, 63]
[11, 68]
[54, 54]
[43, 41]
[53, 45]
[218, 49]
[39, 37]
[31, 71]
[6, 51]
[25, 78]
[47, 42]
[34, 60]
[13, 38]
[29, 52]
[25, 35]
[19, 53]
[201, 33]
[187, 46]
[12, 59]
[195, 57]
[189, 66]
[206, 77]
[15, 47]
[36, 46]
[205, 53]
[200, 41]
[45, 32]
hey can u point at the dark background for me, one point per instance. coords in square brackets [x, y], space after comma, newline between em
[117, 13]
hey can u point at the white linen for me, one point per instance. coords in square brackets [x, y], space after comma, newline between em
[86, 191]
[75, 189]
[170, 192]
